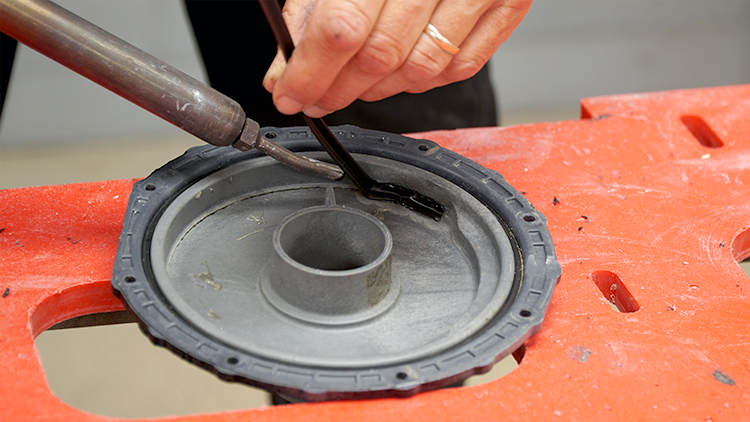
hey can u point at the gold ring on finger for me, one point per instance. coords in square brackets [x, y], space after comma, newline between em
[440, 40]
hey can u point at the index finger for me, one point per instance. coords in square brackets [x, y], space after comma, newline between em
[335, 31]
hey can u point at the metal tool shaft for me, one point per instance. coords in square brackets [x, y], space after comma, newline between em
[142, 79]
[123, 69]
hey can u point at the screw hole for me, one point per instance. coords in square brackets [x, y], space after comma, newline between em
[423, 147]
[271, 135]
[524, 313]
[232, 360]
[402, 376]
[150, 187]
[129, 279]
[529, 218]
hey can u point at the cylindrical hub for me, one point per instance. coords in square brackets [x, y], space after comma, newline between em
[331, 265]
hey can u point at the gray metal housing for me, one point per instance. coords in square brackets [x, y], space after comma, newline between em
[513, 276]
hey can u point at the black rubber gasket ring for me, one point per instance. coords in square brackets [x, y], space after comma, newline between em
[537, 273]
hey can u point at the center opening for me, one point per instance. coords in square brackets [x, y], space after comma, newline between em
[332, 238]
[331, 265]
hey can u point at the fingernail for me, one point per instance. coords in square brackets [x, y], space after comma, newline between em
[314, 112]
[287, 105]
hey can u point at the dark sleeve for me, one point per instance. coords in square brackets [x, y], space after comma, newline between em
[7, 54]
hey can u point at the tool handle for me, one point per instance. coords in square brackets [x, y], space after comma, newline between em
[123, 69]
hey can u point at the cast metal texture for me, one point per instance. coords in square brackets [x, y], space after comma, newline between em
[466, 292]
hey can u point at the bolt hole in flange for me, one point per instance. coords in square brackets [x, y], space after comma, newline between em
[243, 271]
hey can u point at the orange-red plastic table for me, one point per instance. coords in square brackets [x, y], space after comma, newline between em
[648, 200]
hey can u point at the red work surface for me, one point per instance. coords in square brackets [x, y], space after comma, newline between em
[648, 200]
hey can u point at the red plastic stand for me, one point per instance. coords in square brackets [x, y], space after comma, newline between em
[648, 200]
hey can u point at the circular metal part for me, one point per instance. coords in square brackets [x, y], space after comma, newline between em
[303, 286]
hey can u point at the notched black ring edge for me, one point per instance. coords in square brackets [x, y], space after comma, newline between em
[198, 162]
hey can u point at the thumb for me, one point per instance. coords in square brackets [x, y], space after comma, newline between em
[274, 72]
[296, 13]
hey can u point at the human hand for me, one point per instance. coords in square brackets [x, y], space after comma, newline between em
[373, 49]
